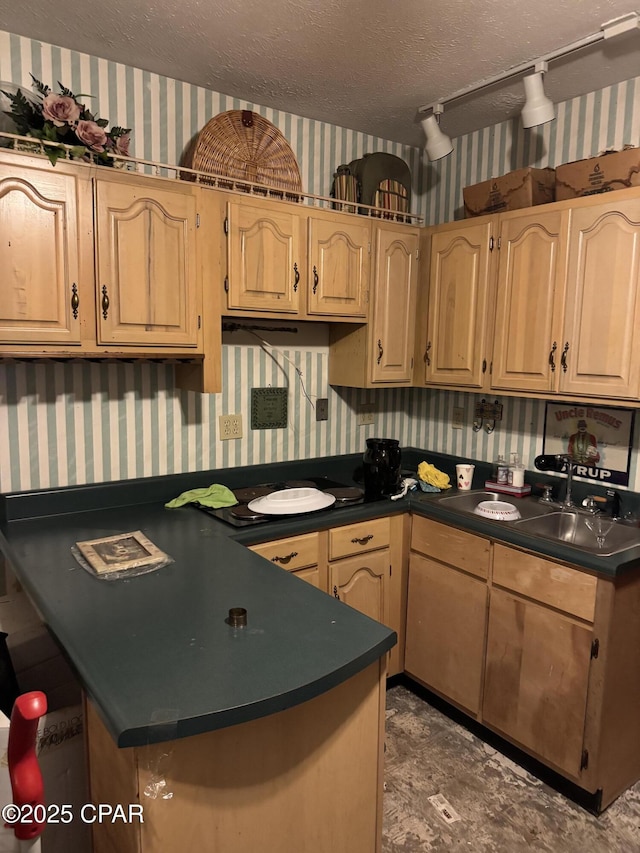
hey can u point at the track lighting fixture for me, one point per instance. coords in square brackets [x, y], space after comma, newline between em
[538, 108]
[438, 143]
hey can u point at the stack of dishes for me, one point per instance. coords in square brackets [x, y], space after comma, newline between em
[292, 502]
[498, 511]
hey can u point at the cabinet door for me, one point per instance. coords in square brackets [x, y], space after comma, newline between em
[38, 257]
[530, 287]
[536, 680]
[338, 267]
[457, 336]
[602, 312]
[362, 582]
[446, 620]
[146, 265]
[395, 288]
[264, 261]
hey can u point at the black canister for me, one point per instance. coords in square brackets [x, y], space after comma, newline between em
[381, 465]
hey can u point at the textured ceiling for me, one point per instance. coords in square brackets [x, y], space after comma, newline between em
[362, 64]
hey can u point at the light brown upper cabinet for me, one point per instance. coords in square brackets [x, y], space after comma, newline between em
[40, 266]
[285, 261]
[529, 300]
[568, 299]
[145, 264]
[96, 262]
[456, 346]
[602, 312]
[338, 266]
[381, 353]
[265, 260]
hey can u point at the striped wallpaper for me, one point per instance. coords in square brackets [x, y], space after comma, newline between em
[80, 423]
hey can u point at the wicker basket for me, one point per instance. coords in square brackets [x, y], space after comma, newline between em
[243, 145]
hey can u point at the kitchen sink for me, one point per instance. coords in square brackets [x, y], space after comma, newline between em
[468, 501]
[579, 530]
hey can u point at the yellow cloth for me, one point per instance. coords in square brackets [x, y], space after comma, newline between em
[428, 473]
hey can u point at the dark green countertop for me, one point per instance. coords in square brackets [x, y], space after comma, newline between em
[154, 652]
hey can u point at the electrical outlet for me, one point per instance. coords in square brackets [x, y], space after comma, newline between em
[366, 414]
[229, 426]
[322, 409]
[457, 417]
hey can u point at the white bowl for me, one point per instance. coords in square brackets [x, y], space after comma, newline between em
[498, 511]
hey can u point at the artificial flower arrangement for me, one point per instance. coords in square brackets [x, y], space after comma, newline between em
[64, 119]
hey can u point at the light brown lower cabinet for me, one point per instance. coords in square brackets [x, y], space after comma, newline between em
[306, 779]
[545, 654]
[363, 564]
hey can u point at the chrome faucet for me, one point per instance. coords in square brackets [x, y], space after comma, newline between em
[557, 463]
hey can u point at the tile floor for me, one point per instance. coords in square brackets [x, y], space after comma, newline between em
[502, 807]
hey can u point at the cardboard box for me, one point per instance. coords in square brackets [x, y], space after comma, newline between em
[521, 188]
[610, 171]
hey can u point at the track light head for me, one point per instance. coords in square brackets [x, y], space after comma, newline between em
[538, 109]
[438, 144]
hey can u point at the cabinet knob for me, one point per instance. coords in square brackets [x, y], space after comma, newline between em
[563, 357]
[380, 351]
[75, 300]
[105, 302]
[315, 279]
[284, 560]
[552, 360]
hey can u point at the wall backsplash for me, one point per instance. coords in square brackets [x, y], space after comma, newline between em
[77, 423]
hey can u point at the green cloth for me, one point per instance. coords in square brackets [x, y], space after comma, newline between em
[214, 496]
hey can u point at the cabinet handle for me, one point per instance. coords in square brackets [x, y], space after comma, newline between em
[105, 302]
[484, 365]
[335, 592]
[296, 277]
[380, 351]
[552, 361]
[563, 357]
[427, 358]
[315, 279]
[284, 560]
[363, 540]
[75, 300]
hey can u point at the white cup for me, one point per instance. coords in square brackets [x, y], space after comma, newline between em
[464, 476]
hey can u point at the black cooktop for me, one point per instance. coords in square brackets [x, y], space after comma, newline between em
[241, 516]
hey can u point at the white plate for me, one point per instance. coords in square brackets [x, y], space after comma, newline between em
[498, 510]
[292, 501]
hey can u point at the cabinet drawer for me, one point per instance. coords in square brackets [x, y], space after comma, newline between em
[356, 538]
[542, 580]
[456, 547]
[292, 554]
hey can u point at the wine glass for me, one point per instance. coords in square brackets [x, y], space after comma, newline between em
[600, 525]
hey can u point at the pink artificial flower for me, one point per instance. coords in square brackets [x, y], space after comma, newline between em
[60, 109]
[91, 134]
[121, 144]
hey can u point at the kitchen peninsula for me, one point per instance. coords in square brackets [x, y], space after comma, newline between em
[267, 737]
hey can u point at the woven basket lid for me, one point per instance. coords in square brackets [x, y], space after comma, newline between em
[243, 145]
